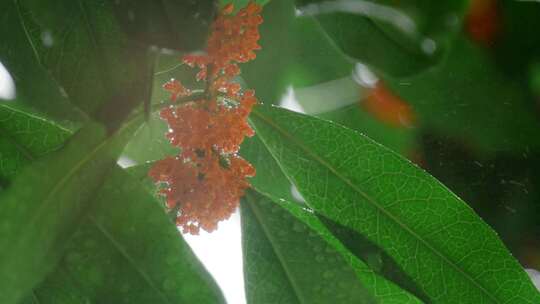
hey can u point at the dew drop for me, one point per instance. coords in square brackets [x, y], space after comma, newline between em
[47, 38]
[428, 46]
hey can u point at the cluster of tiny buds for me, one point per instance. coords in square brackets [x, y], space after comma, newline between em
[203, 184]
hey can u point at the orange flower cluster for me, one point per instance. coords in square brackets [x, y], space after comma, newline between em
[205, 181]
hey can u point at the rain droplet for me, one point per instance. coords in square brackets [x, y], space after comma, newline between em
[428, 46]
[47, 38]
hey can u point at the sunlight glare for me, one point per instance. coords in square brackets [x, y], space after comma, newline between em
[221, 254]
[7, 86]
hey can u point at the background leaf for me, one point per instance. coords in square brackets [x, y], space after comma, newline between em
[473, 102]
[301, 56]
[396, 38]
[174, 24]
[426, 229]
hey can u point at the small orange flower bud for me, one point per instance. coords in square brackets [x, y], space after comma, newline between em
[176, 89]
[227, 9]
[206, 179]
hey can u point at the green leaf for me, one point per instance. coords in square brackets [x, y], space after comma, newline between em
[285, 264]
[39, 211]
[269, 179]
[397, 38]
[301, 56]
[24, 136]
[58, 291]
[467, 97]
[34, 87]
[315, 266]
[84, 48]
[272, 182]
[174, 24]
[446, 249]
[400, 140]
[127, 251]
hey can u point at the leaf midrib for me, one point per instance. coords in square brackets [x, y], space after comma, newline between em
[277, 252]
[103, 230]
[26, 32]
[366, 196]
[126, 255]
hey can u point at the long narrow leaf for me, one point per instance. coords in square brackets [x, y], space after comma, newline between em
[435, 237]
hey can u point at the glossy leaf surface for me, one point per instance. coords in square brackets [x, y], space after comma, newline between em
[433, 235]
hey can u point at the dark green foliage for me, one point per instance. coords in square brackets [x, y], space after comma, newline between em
[332, 216]
[126, 251]
[396, 37]
[473, 101]
[174, 24]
